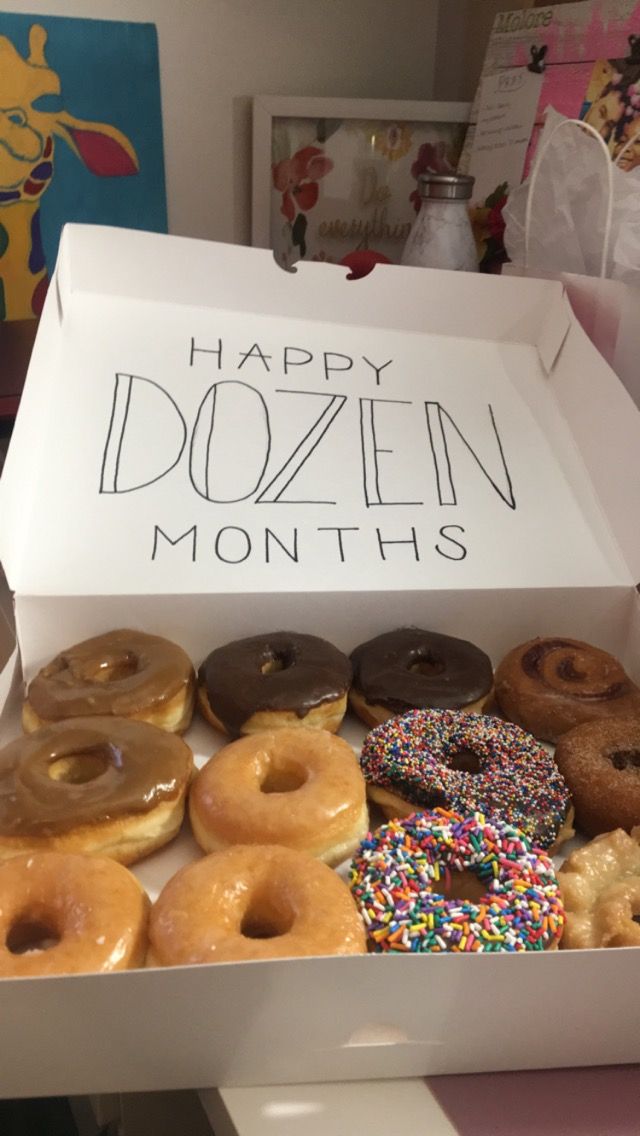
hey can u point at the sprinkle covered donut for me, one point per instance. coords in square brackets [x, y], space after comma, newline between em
[403, 879]
[467, 763]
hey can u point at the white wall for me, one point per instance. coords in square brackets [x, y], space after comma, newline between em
[216, 54]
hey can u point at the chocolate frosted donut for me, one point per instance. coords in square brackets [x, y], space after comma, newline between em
[411, 669]
[600, 762]
[107, 786]
[125, 673]
[269, 681]
[548, 686]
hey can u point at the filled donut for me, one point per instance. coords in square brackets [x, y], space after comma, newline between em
[257, 902]
[467, 763]
[413, 669]
[438, 882]
[108, 786]
[548, 686]
[269, 681]
[299, 788]
[600, 762]
[127, 674]
[68, 914]
[600, 886]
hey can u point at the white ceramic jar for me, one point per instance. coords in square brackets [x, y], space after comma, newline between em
[441, 235]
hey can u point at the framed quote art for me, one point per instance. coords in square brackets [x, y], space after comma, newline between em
[336, 179]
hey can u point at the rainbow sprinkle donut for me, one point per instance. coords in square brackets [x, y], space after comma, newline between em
[394, 872]
[467, 763]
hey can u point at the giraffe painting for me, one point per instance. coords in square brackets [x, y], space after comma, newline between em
[28, 136]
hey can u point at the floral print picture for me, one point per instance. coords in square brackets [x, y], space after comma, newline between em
[345, 190]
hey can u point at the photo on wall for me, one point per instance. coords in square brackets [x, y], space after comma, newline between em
[80, 140]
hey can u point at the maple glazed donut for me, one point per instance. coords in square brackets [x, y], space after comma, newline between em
[125, 673]
[550, 685]
[467, 763]
[299, 788]
[67, 914]
[409, 880]
[253, 902]
[108, 786]
[600, 762]
[269, 681]
[411, 669]
[600, 885]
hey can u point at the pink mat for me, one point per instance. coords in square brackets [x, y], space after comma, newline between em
[603, 1101]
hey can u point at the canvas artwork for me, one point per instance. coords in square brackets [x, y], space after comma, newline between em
[80, 140]
[345, 191]
[589, 53]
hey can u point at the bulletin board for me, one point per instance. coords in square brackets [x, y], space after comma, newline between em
[588, 57]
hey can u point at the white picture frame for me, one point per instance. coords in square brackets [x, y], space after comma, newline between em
[267, 109]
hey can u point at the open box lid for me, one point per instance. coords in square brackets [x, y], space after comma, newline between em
[196, 420]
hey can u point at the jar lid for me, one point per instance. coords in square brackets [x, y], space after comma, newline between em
[446, 187]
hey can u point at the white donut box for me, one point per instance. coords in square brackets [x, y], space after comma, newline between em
[209, 447]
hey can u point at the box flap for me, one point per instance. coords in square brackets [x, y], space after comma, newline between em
[214, 424]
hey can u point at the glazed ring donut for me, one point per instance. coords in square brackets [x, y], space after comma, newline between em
[548, 686]
[125, 673]
[66, 914]
[269, 681]
[410, 669]
[467, 763]
[108, 786]
[404, 881]
[600, 762]
[299, 788]
[257, 902]
[600, 885]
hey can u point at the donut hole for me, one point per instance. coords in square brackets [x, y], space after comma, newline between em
[277, 661]
[625, 759]
[464, 761]
[283, 778]
[111, 668]
[266, 919]
[461, 886]
[427, 664]
[79, 768]
[26, 936]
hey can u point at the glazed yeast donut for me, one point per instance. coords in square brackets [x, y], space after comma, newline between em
[410, 880]
[600, 762]
[256, 902]
[550, 685]
[412, 669]
[66, 914]
[102, 785]
[467, 763]
[125, 673]
[299, 788]
[600, 886]
[269, 681]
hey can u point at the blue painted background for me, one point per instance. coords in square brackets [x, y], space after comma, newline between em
[109, 73]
